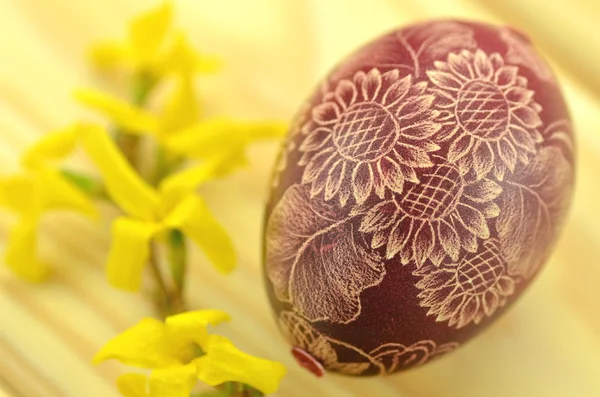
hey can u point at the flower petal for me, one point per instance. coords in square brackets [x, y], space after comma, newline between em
[424, 243]
[108, 55]
[490, 302]
[181, 107]
[148, 31]
[146, 345]
[421, 130]
[176, 381]
[489, 210]
[519, 95]
[507, 153]
[379, 217]
[335, 176]
[192, 325]
[21, 249]
[444, 80]
[132, 119]
[178, 185]
[437, 279]
[398, 237]
[483, 67]
[59, 193]
[391, 174]
[326, 113]
[316, 139]
[224, 362]
[460, 66]
[123, 184]
[194, 218]
[412, 156]
[527, 116]
[473, 220]
[21, 193]
[129, 252]
[468, 240]
[417, 108]
[346, 93]
[379, 239]
[460, 147]
[482, 191]
[53, 146]
[468, 312]
[496, 61]
[449, 239]
[522, 138]
[318, 162]
[450, 309]
[371, 85]
[506, 76]
[362, 182]
[409, 173]
[133, 385]
[499, 170]
[396, 91]
[506, 286]
[183, 60]
[221, 135]
[483, 159]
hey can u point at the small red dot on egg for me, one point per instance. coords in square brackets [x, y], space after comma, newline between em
[307, 361]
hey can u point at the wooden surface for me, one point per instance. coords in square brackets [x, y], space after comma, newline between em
[547, 345]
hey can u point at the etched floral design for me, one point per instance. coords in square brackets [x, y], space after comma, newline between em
[536, 203]
[396, 356]
[300, 333]
[468, 291]
[369, 134]
[490, 114]
[435, 218]
[521, 52]
[316, 259]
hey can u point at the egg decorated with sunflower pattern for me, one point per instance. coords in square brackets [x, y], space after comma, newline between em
[417, 194]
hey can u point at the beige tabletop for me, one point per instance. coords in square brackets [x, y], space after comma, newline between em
[274, 51]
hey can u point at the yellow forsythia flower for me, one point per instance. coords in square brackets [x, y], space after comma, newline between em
[180, 351]
[38, 189]
[152, 48]
[178, 129]
[149, 212]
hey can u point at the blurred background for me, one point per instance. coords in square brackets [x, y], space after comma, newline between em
[274, 51]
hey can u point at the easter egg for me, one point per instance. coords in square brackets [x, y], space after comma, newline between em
[419, 191]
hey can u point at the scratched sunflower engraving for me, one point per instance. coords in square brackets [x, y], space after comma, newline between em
[369, 134]
[469, 290]
[490, 113]
[435, 218]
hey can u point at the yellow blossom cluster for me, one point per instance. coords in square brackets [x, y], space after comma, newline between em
[179, 352]
[190, 149]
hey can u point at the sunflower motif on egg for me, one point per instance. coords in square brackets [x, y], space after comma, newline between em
[490, 114]
[368, 134]
[444, 213]
[467, 291]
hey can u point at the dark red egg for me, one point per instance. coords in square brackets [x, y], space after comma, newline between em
[418, 192]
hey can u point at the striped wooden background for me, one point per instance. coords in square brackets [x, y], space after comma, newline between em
[548, 345]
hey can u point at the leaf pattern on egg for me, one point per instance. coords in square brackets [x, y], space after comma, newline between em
[315, 261]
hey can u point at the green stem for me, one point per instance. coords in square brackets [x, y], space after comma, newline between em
[177, 259]
[90, 186]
